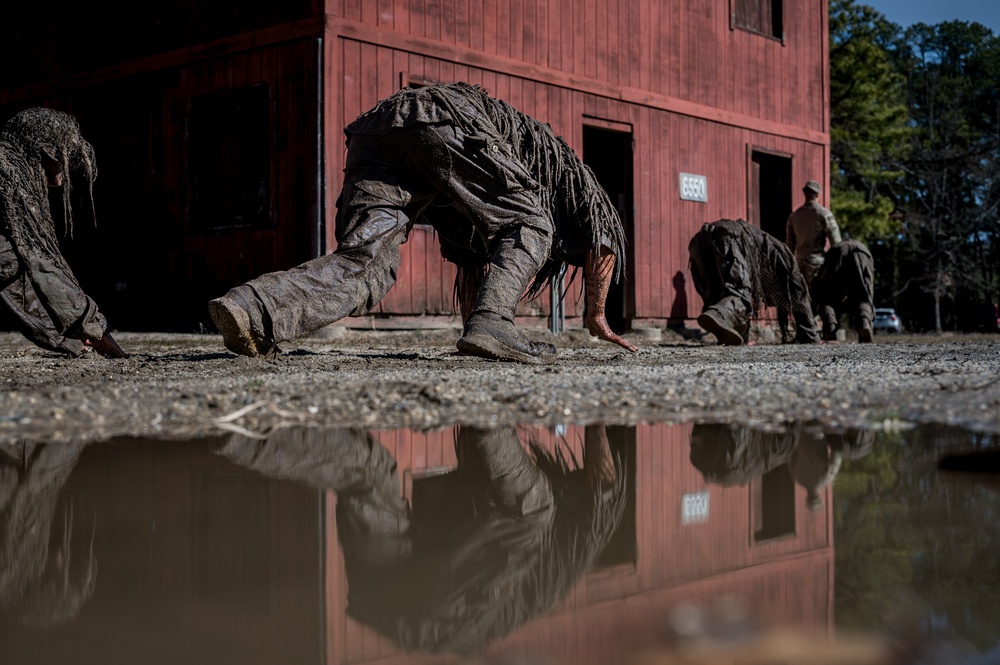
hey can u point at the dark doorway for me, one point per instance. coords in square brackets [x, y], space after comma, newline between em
[770, 192]
[609, 154]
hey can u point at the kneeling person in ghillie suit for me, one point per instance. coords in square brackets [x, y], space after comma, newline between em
[737, 269]
[845, 283]
[42, 149]
[511, 202]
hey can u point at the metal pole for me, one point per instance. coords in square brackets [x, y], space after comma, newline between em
[557, 317]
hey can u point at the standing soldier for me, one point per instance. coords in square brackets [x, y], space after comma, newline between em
[808, 230]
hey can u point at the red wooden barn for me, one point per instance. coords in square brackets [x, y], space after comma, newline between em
[218, 127]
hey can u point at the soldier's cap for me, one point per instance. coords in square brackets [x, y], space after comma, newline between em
[813, 186]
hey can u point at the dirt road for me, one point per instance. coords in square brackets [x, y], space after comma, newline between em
[183, 385]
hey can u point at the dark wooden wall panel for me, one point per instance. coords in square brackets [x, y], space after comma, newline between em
[145, 265]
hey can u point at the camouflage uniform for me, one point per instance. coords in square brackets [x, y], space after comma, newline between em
[498, 186]
[38, 291]
[845, 284]
[807, 231]
[736, 269]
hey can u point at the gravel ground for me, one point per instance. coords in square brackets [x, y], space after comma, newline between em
[186, 385]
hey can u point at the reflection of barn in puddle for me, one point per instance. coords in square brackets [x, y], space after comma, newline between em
[682, 540]
[228, 550]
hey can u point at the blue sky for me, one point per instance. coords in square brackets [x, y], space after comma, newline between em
[905, 12]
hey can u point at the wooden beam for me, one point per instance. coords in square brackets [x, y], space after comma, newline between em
[310, 27]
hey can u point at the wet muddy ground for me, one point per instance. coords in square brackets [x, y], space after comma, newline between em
[183, 385]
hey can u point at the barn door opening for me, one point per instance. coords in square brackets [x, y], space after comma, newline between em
[609, 154]
[770, 192]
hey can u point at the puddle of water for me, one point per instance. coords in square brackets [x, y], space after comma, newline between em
[570, 544]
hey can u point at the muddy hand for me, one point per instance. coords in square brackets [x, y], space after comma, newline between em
[108, 347]
[598, 327]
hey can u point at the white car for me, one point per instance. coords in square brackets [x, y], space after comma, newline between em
[886, 320]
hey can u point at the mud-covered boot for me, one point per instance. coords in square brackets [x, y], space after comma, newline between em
[829, 332]
[728, 327]
[242, 321]
[489, 335]
[865, 330]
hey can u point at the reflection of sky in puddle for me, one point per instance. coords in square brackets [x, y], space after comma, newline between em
[572, 543]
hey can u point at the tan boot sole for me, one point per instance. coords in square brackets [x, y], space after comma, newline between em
[234, 324]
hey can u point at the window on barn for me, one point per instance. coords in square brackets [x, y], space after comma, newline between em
[765, 17]
[229, 159]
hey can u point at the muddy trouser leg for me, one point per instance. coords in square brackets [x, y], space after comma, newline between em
[862, 293]
[503, 216]
[373, 519]
[519, 254]
[828, 315]
[25, 311]
[30, 319]
[802, 311]
[373, 220]
[518, 487]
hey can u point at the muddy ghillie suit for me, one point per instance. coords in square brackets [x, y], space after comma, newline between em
[38, 290]
[845, 284]
[501, 540]
[806, 232]
[43, 581]
[730, 455]
[501, 190]
[737, 269]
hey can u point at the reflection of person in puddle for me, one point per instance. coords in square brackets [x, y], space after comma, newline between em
[41, 583]
[816, 459]
[734, 455]
[512, 530]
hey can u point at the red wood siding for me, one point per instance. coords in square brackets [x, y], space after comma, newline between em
[685, 50]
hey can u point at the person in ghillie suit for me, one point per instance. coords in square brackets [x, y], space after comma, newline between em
[511, 202]
[42, 149]
[737, 269]
[495, 542]
[845, 283]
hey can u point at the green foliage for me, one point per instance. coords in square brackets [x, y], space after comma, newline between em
[869, 131]
[912, 543]
[951, 193]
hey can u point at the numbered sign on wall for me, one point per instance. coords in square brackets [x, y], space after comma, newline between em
[694, 187]
[694, 508]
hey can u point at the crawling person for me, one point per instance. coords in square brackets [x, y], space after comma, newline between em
[42, 149]
[737, 269]
[511, 202]
[845, 284]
